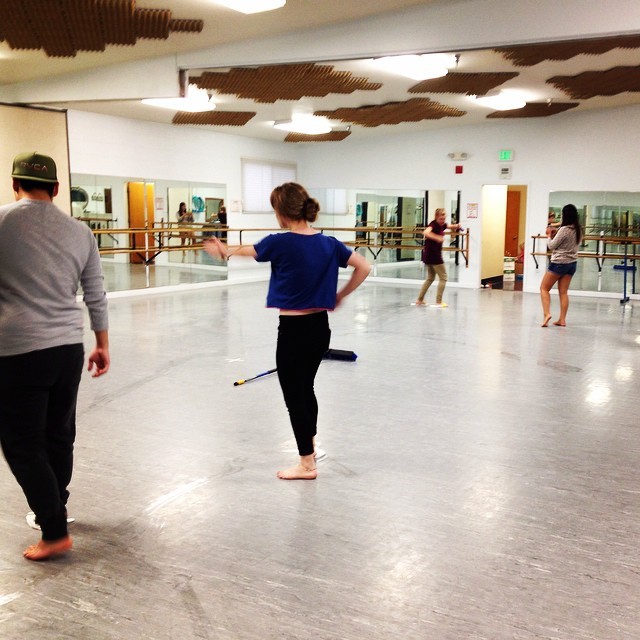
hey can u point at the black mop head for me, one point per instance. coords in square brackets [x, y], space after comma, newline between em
[339, 354]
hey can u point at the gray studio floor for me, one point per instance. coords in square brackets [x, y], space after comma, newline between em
[482, 478]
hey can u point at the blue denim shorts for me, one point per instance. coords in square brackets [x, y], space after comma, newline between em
[566, 269]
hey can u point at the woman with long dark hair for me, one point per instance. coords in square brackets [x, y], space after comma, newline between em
[303, 286]
[564, 259]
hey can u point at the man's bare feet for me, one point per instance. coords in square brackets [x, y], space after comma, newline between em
[46, 549]
[545, 323]
[558, 323]
[298, 473]
[419, 302]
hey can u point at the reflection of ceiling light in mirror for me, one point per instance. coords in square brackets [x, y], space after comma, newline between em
[196, 101]
[252, 6]
[308, 124]
[424, 67]
[501, 101]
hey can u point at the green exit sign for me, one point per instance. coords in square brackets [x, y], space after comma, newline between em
[505, 155]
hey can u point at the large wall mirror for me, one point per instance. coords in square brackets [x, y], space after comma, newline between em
[611, 223]
[141, 241]
[387, 223]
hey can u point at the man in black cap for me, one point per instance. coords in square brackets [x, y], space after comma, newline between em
[44, 255]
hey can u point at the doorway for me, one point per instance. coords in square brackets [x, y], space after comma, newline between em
[504, 217]
[141, 216]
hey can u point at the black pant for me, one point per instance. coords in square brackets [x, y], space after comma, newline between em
[302, 343]
[38, 393]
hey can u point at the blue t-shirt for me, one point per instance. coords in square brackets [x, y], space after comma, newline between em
[304, 269]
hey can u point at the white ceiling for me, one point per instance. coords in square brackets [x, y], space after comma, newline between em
[223, 26]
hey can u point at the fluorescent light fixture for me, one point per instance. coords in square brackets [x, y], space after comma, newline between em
[196, 101]
[504, 100]
[252, 6]
[417, 67]
[308, 124]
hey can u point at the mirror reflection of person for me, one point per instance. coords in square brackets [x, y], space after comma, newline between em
[552, 225]
[185, 217]
[222, 219]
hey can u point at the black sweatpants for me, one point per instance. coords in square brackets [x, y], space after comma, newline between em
[38, 393]
[302, 343]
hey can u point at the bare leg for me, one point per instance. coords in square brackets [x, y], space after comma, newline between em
[548, 280]
[305, 470]
[563, 292]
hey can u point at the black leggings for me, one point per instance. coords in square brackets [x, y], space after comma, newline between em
[302, 343]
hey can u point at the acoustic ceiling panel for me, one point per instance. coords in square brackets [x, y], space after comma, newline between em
[535, 110]
[152, 23]
[63, 27]
[117, 19]
[220, 118]
[413, 110]
[464, 83]
[332, 136]
[599, 83]
[283, 82]
[531, 54]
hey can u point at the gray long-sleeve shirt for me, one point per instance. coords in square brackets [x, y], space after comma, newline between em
[564, 247]
[44, 255]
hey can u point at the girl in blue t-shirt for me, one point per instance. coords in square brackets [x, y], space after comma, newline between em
[303, 286]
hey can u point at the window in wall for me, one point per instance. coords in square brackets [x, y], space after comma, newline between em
[259, 178]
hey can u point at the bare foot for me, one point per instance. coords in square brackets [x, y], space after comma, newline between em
[419, 302]
[298, 473]
[546, 321]
[46, 549]
[558, 323]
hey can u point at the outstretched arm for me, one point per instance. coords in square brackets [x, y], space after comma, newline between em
[361, 269]
[222, 251]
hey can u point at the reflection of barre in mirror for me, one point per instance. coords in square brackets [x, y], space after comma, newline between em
[619, 249]
[331, 354]
[370, 238]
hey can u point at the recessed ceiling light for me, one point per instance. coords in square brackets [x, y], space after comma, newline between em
[196, 101]
[417, 67]
[504, 100]
[252, 6]
[308, 124]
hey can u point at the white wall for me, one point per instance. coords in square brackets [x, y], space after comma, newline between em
[138, 150]
[589, 151]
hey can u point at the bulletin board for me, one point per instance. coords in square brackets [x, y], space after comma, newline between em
[24, 129]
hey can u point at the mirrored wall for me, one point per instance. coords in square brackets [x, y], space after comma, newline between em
[387, 224]
[141, 239]
[611, 224]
